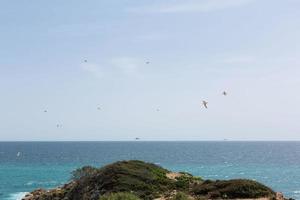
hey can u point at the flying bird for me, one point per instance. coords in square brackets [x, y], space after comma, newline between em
[224, 93]
[85, 61]
[147, 62]
[98, 108]
[45, 111]
[205, 104]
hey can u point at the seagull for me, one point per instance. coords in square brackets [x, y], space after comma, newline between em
[45, 111]
[205, 104]
[85, 61]
[58, 125]
[224, 93]
[157, 109]
[99, 108]
[147, 62]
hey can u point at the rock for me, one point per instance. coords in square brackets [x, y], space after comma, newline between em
[28, 197]
[279, 196]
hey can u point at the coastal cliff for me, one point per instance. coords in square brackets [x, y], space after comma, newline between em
[137, 180]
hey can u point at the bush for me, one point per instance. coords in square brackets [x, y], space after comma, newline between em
[137, 180]
[120, 196]
[145, 180]
[86, 171]
[231, 189]
[180, 196]
[186, 180]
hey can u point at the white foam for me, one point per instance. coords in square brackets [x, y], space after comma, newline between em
[30, 183]
[17, 196]
[297, 192]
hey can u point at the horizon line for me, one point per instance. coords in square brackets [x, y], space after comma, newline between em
[150, 140]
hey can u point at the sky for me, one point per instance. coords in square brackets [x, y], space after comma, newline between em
[196, 49]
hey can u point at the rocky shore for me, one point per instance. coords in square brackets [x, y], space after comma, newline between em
[137, 180]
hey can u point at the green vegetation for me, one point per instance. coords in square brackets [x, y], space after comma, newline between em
[186, 180]
[120, 196]
[83, 172]
[180, 196]
[146, 180]
[137, 180]
[239, 188]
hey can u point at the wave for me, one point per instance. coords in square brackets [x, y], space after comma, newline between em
[17, 196]
[47, 183]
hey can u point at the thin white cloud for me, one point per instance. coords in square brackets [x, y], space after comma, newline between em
[256, 59]
[92, 68]
[152, 37]
[76, 30]
[127, 64]
[241, 59]
[114, 66]
[192, 6]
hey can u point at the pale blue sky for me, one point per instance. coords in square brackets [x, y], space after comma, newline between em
[196, 49]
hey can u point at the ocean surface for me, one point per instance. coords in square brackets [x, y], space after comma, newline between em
[25, 166]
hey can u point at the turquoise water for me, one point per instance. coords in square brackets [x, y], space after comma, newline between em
[48, 164]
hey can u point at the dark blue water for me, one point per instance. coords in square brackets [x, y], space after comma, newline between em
[48, 164]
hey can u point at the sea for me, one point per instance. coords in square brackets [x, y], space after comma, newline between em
[25, 166]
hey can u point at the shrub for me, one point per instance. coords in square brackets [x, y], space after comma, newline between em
[86, 171]
[180, 196]
[185, 180]
[146, 180]
[120, 196]
[137, 180]
[239, 188]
